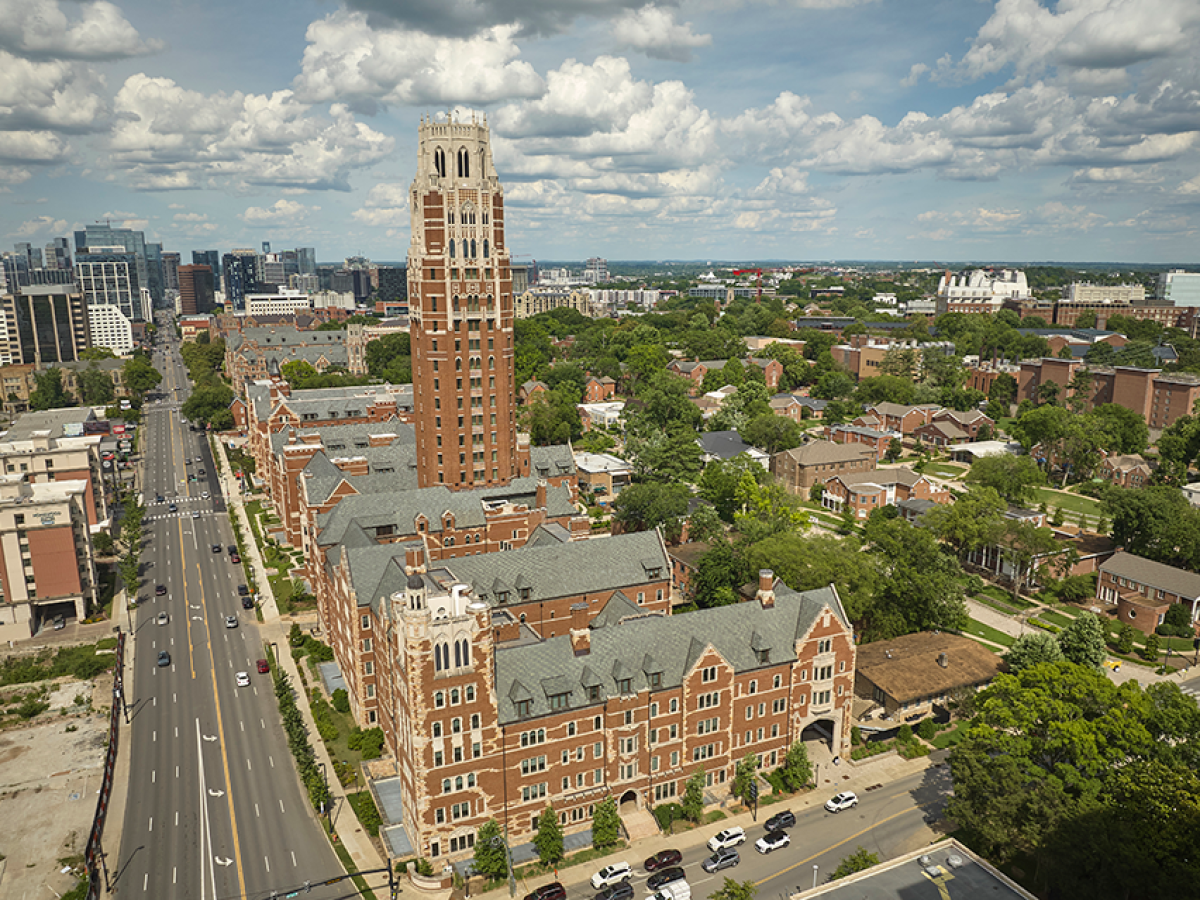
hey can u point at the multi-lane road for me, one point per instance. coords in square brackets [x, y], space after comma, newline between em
[215, 808]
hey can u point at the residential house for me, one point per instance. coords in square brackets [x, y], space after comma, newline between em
[685, 563]
[902, 418]
[866, 492]
[1139, 586]
[725, 445]
[603, 474]
[533, 389]
[598, 390]
[1130, 470]
[607, 415]
[878, 441]
[942, 433]
[907, 676]
[969, 421]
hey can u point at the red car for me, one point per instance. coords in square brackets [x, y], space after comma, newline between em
[235, 558]
[663, 859]
[263, 666]
[551, 891]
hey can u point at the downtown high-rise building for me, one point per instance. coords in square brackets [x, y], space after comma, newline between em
[212, 259]
[461, 305]
[240, 275]
[109, 276]
[148, 257]
[196, 291]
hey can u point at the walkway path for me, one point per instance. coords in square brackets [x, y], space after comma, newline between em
[275, 630]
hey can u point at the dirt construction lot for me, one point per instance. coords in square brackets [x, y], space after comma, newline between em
[49, 783]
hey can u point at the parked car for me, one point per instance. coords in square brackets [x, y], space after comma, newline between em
[730, 837]
[232, 549]
[551, 891]
[662, 859]
[231, 622]
[235, 558]
[722, 859]
[781, 820]
[665, 876]
[617, 872]
[844, 800]
[263, 667]
[247, 603]
[243, 679]
[622, 890]
[243, 591]
[676, 890]
[164, 658]
[772, 840]
[60, 622]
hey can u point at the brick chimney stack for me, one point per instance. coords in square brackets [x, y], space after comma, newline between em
[766, 588]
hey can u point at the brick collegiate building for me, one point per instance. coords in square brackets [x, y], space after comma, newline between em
[510, 661]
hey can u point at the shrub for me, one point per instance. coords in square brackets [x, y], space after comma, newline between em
[855, 735]
[368, 814]
[927, 729]
[341, 700]
[904, 733]
[1150, 651]
[667, 814]
[424, 867]
[1125, 636]
[369, 743]
[31, 707]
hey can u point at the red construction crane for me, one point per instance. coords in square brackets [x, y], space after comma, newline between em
[758, 272]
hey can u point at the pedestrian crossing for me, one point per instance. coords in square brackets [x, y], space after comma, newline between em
[177, 500]
[181, 514]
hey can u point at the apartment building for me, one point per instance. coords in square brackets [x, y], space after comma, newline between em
[865, 492]
[1143, 590]
[818, 461]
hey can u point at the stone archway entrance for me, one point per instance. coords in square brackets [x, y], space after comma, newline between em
[629, 802]
[635, 817]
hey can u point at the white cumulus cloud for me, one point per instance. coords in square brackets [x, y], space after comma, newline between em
[654, 31]
[40, 29]
[283, 211]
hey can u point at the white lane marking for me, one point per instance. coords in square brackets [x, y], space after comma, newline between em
[155, 738]
[145, 881]
[176, 818]
[151, 828]
[271, 760]
[174, 874]
[268, 862]
[257, 814]
[281, 806]
[248, 766]
[153, 776]
[293, 852]
[242, 725]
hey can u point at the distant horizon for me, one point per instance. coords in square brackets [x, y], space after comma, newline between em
[761, 263]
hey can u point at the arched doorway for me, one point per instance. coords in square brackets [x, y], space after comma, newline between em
[629, 801]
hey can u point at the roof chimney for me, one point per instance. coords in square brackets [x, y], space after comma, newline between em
[581, 641]
[766, 588]
[540, 503]
[943, 661]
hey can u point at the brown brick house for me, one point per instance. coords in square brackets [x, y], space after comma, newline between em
[818, 461]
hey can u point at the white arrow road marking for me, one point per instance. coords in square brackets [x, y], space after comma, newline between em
[213, 793]
[222, 861]
[209, 737]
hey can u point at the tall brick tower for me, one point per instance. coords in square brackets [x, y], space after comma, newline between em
[461, 305]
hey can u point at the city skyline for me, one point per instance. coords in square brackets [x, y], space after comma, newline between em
[816, 129]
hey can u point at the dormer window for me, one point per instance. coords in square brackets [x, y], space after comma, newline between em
[593, 692]
[560, 701]
[526, 593]
[625, 686]
[762, 656]
[655, 679]
[523, 708]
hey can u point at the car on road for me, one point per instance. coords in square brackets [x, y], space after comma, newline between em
[263, 667]
[617, 872]
[622, 890]
[781, 820]
[162, 618]
[160, 590]
[216, 548]
[232, 548]
[723, 859]
[198, 459]
[665, 876]
[231, 622]
[172, 508]
[201, 473]
[730, 837]
[552, 891]
[159, 499]
[196, 514]
[235, 558]
[772, 840]
[243, 679]
[662, 859]
[204, 495]
[247, 603]
[844, 800]
[164, 658]
[243, 591]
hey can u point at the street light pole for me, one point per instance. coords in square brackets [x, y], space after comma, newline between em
[512, 879]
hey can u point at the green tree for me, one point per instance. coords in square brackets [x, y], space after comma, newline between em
[772, 434]
[48, 392]
[606, 824]
[719, 482]
[1032, 649]
[765, 509]
[671, 455]
[1024, 544]
[643, 507]
[1150, 651]
[549, 838]
[885, 389]
[299, 373]
[719, 573]
[1012, 477]
[1003, 390]
[693, 796]
[735, 890]
[491, 860]
[1082, 641]
[816, 561]
[139, 376]
[834, 386]
[1156, 522]
[858, 861]
[974, 520]
[1125, 638]
[894, 449]
[95, 387]
[389, 358]
[705, 525]
[744, 774]
[922, 586]
[796, 770]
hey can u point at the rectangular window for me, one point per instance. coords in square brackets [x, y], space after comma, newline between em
[708, 673]
[597, 750]
[674, 758]
[597, 776]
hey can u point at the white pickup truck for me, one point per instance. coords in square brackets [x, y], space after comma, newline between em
[676, 890]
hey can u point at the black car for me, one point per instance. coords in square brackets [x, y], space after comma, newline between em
[781, 820]
[622, 890]
[247, 603]
[232, 549]
[551, 891]
[665, 876]
[164, 658]
[160, 590]
[216, 548]
[243, 591]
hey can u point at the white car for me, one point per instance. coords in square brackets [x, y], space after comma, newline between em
[772, 840]
[614, 874]
[231, 622]
[243, 679]
[204, 495]
[162, 618]
[844, 800]
[730, 837]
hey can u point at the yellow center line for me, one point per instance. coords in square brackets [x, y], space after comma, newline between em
[856, 834]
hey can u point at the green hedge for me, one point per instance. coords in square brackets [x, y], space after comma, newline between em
[364, 807]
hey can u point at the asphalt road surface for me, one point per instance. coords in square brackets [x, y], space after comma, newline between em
[215, 808]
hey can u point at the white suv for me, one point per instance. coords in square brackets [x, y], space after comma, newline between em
[730, 837]
[614, 874]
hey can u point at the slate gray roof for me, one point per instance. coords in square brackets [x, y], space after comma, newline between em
[556, 459]
[392, 468]
[401, 508]
[341, 440]
[291, 337]
[723, 444]
[334, 354]
[670, 644]
[689, 366]
[1154, 574]
[581, 567]
[347, 402]
[860, 431]
[548, 534]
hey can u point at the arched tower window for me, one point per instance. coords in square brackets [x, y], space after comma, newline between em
[465, 256]
[464, 164]
[463, 647]
[491, 362]
[458, 661]
[441, 657]
[485, 248]
[451, 249]
[439, 161]
[472, 248]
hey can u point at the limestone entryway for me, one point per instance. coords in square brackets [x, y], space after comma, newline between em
[638, 821]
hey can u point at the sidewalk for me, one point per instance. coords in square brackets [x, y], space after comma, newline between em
[275, 630]
[1143, 675]
[832, 779]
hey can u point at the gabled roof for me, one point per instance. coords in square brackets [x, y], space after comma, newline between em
[1154, 574]
[825, 452]
[946, 429]
[673, 643]
[907, 668]
[724, 444]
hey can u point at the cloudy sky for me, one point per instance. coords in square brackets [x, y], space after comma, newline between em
[699, 129]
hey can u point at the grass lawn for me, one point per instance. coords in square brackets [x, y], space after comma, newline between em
[988, 633]
[1060, 619]
[945, 470]
[996, 605]
[949, 738]
[1069, 502]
